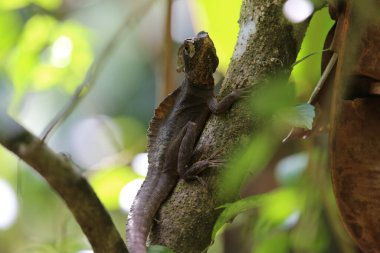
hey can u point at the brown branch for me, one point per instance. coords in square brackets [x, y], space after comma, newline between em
[68, 182]
[267, 43]
[168, 85]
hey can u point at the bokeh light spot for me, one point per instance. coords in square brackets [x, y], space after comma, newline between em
[61, 52]
[128, 194]
[8, 205]
[292, 220]
[93, 139]
[297, 11]
[140, 164]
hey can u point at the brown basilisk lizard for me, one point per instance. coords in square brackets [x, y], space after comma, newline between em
[173, 132]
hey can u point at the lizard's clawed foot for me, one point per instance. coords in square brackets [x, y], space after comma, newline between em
[196, 168]
[243, 92]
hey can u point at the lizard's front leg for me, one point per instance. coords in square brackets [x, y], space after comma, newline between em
[184, 145]
[227, 101]
[188, 142]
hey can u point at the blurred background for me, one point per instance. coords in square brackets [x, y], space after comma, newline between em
[46, 49]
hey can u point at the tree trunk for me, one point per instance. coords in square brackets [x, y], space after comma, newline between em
[267, 43]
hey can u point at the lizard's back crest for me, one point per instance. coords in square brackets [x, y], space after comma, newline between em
[160, 115]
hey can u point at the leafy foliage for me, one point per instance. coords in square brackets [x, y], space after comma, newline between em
[16, 4]
[49, 53]
[159, 249]
[232, 210]
[297, 215]
[299, 116]
[306, 74]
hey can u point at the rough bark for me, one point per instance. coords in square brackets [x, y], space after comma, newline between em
[68, 182]
[267, 43]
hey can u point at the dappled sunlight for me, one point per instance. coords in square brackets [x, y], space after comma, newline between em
[297, 11]
[61, 52]
[8, 205]
[140, 164]
[86, 251]
[291, 220]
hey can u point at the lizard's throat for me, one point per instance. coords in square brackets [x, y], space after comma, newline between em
[197, 77]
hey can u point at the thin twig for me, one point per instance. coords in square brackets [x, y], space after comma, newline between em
[167, 60]
[323, 78]
[95, 69]
[309, 55]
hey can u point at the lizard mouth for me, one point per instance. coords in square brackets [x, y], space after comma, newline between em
[189, 40]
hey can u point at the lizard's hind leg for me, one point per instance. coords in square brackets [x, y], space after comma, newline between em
[186, 151]
[196, 168]
[181, 149]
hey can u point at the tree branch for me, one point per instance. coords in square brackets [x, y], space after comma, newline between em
[267, 43]
[68, 182]
[168, 85]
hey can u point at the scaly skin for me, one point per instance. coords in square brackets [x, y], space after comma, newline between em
[173, 133]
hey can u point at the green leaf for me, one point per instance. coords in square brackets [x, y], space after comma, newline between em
[8, 163]
[80, 57]
[48, 4]
[26, 56]
[306, 74]
[9, 34]
[13, 4]
[159, 249]
[231, 210]
[49, 53]
[276, 95]
[16, 4]
[280, 204]
[275, 207]
[249, 161]
[277, 242]
[299, 116]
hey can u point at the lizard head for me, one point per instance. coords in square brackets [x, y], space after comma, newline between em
[197, 58]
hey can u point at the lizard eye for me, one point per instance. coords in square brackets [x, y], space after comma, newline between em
[189, 48]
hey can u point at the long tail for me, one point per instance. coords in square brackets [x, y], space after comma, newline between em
[153, 192]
